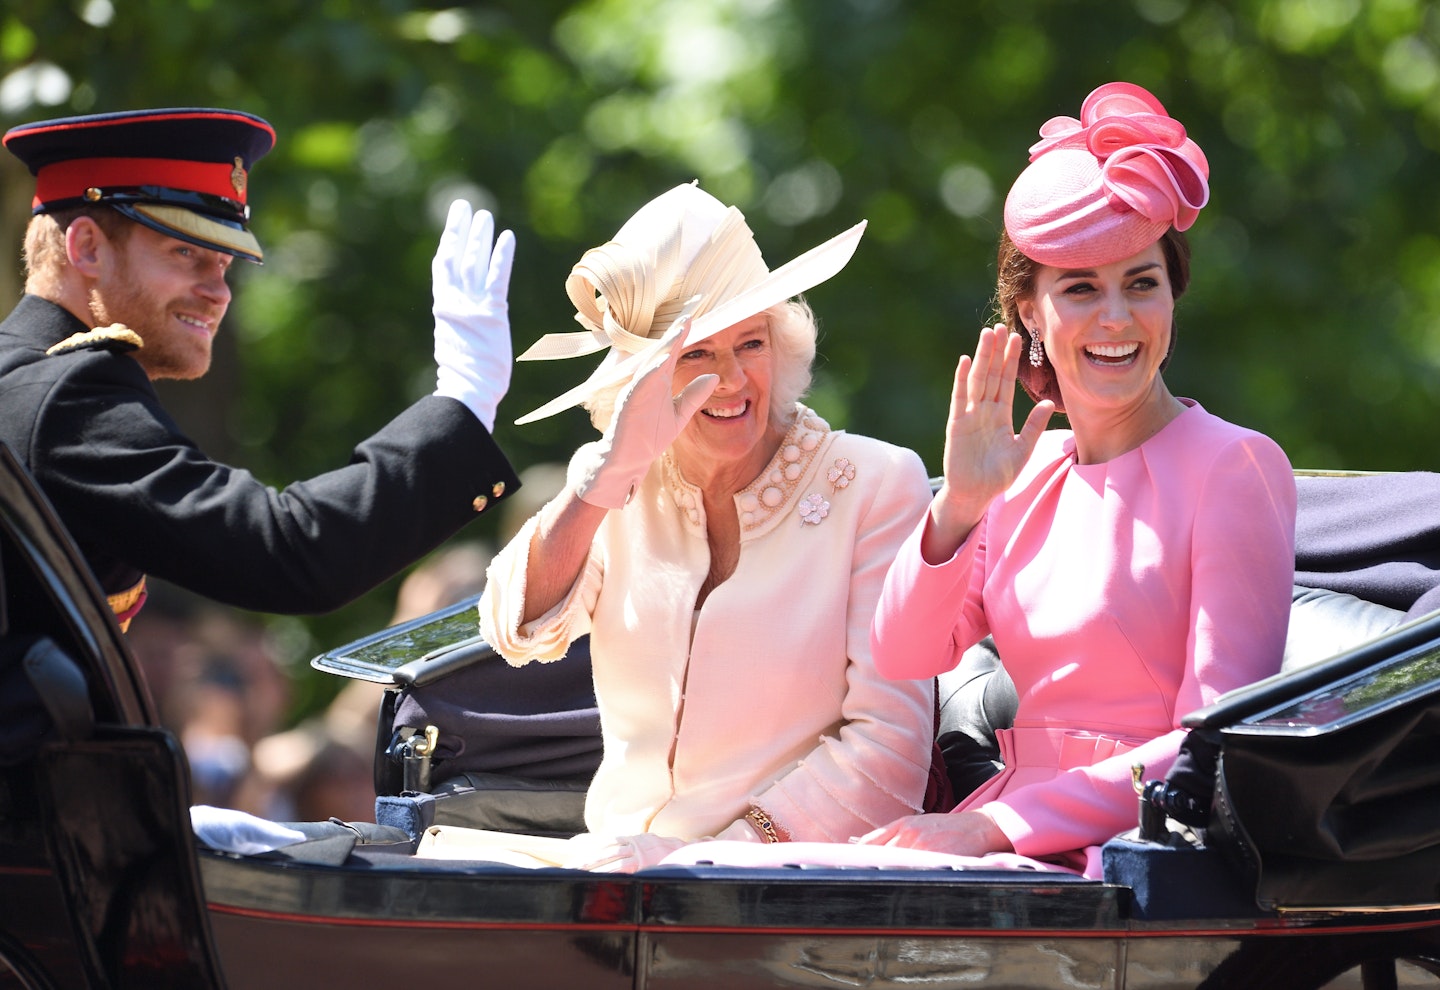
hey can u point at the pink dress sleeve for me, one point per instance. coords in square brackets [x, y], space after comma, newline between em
[928, 614]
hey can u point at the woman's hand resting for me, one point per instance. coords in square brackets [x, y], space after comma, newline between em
[965, 833]
[624, 854]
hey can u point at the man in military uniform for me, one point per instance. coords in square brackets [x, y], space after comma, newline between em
[138, 217]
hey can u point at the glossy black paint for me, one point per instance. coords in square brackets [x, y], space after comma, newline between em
[699, 928]
[100, 887]
[123, 852]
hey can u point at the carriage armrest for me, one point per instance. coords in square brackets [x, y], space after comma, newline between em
[1176, 879]
[442, 664]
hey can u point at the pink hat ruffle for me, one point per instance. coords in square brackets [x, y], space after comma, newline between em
[1106, 186]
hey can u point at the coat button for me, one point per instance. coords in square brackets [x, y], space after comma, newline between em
[479, 503]
[497, 489]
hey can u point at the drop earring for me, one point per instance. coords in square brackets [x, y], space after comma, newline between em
[1037, 351]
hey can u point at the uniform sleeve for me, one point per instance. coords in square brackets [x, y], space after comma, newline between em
[1242, 577]
[128, 482]
[875, 769]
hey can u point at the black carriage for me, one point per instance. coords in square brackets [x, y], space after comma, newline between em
[102, 883]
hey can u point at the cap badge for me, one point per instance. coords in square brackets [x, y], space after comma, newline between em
[237, 176]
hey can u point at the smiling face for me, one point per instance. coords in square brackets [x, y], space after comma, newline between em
[170, 292]
[731, 438]
[1106, 332]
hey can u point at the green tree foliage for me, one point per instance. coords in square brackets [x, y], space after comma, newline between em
[1315, 305]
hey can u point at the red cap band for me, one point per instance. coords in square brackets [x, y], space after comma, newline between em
[69, 179]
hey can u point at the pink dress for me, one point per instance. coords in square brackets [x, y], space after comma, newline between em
[1121, 597]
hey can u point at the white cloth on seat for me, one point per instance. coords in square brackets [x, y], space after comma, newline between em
[240, 832]
[480, 845]
[840, 855]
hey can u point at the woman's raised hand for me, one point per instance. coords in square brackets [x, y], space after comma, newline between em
[647, 419]
[983, 453]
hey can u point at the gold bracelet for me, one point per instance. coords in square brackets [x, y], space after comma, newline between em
[762, 821]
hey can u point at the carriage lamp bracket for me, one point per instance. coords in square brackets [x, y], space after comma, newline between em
[1152, 811]
[414, 752]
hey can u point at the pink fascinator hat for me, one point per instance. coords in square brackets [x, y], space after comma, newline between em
[1106, 186]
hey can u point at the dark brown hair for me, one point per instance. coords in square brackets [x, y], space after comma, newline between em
[1015, 280]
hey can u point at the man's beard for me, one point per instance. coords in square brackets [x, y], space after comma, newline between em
[168, 353]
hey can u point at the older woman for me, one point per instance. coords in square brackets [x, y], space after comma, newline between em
[723, 547]
[1131, 568]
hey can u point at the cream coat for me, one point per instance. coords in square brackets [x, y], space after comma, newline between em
[775, 702]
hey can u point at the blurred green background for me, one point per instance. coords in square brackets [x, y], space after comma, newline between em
[1314, 314]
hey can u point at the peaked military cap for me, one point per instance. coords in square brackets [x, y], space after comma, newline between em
[183, 172]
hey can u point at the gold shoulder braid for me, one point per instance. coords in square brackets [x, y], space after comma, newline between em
[116, 337]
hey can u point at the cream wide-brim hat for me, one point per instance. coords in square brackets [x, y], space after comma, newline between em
[683, 246]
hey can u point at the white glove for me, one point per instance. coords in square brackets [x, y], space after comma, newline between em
[647, 419]
[472, 327]
[627, 854]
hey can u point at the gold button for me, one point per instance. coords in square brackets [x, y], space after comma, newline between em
[480, 502]
[497, 489]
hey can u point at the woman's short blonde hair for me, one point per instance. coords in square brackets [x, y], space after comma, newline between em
[793, 332]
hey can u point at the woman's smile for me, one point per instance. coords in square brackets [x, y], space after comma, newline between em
[727, 410]
[1113, 355]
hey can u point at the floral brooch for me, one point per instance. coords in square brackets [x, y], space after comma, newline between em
[813, 507]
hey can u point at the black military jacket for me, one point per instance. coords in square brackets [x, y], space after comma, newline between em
[140, 498]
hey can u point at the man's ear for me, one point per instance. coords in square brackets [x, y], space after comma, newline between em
[86, 246]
